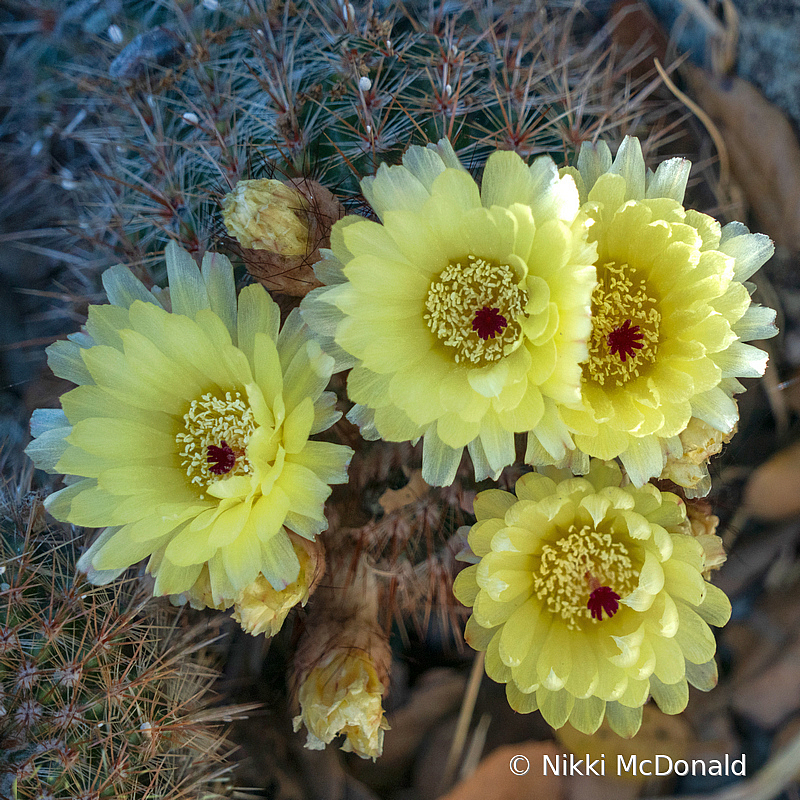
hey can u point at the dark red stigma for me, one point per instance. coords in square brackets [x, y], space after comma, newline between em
[625, 340]
[488, 322]
[220, 459]
[603, 598]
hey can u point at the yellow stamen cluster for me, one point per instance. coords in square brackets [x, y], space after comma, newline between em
[570, 567]
[210, 421]
[621, 295]
[459, 292]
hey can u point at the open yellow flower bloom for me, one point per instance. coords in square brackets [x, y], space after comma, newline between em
[342, 695]
[670, 317]
[187, 438]
[465, 315]
[589, 597]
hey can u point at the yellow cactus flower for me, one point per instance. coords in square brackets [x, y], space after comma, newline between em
[342, 695]
[265, 214]
[187, 438]
[589, 597]
[465, 314]
[670, 317]
[259, 607]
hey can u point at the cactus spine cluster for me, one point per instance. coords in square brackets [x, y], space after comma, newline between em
[100, 694]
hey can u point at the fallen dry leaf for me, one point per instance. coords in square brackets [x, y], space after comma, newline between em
[636, 28]
[774, 694]
[773, 490]
[762, 147]
[495, 779]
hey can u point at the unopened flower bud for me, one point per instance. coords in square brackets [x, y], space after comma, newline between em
[267, 215]
[280, 228]
[703, 526]
[342, 666]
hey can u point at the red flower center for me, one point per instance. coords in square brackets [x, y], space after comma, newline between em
[488, 322]
[625, 340]
[220, 459]
[603, 598]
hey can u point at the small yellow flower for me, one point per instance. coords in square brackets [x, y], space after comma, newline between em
[465, 314]
[259, 607]
[266, 214]
[187, 438]
[670, 317]
[342, 695]
[589, 597]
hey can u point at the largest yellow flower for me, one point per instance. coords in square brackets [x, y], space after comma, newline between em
[187, 438]
[670, 317]
[464, 316]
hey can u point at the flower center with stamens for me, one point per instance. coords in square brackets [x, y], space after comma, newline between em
[625, 327]
[473, 307]
[214, 439]
[581, 572]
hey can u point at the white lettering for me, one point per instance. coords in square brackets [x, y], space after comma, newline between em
[666, 771]
[623, 767]
[590, 770]
[547, 762]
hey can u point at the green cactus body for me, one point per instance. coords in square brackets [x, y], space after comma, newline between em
[99, 694]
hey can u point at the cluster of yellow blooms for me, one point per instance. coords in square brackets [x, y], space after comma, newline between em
[586, 309]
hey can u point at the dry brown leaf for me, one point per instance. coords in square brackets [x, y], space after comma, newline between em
[294, 275]
[773, 490]
[762, 147]
[635, 27]
[589, 787]
[495, 779]
[774, 694]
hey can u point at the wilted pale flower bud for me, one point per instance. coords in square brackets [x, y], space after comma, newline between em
[343, 694]
[700, 441]
[342, 663]
[703, 526]
[268, 215]
[262, 609]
